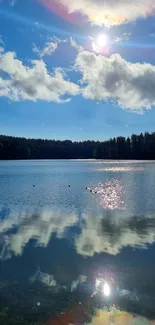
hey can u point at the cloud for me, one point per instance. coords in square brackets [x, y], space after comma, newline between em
[49, 48]
[131, 85]
[33, 225]
[52, 45]
[112, 231]
[124, 37]
[75, 45]
[110, 12]
[33, 82]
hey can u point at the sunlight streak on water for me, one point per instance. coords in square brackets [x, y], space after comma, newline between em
[121, 169]
[110, 194]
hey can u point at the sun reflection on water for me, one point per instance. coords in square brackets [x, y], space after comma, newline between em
[110, 194]
[122, 169]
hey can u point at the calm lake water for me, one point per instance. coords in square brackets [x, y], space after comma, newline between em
[83, 253]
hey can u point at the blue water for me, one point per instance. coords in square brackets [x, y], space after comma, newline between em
[69, 227]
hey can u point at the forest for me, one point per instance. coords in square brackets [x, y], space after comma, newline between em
[140, 146]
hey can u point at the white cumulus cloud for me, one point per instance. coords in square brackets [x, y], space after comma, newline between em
[33, 82]
[110, 12]
[131, 85]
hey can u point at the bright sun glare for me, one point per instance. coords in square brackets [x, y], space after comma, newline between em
[102, 40]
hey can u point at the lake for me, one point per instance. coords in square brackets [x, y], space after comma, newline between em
[77, 242]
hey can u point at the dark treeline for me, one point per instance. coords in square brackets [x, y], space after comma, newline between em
[136, 147]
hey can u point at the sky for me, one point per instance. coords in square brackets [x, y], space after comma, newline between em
[77, 70]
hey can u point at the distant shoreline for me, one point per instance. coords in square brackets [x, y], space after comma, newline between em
[84, 159]
[136, 147]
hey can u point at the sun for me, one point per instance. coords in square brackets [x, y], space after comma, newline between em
[101, 44]
[102, 40]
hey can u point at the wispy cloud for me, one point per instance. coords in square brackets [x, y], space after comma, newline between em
[124, 37]
[75, 45]
[50, 47]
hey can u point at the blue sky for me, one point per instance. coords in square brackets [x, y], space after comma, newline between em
[59, 80]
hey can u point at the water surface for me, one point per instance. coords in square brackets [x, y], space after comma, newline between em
[67, 228]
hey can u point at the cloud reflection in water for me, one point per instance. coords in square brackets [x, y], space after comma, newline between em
[38, 225]
[111, 231]
[108, 231]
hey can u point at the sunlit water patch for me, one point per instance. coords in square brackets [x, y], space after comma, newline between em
[122, 169]
[110, 194]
